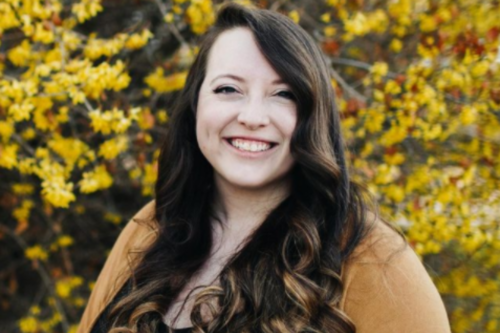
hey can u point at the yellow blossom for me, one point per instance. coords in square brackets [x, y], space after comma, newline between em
[427, 23]
[21, 54]
[396, 45]
[379, 69]
[163, 84]
[49, 324]
[386, 174]
[35, 310]
[22, 188]
[86, 9]
[201, 15]
[96, 48]
[392, 87]
[480, 69]
[43, 121]
[26, 165]
[395, 134]
[42, 35]
[135, 173]
[294, 15]
[95, 180]
[150, 175]
[71, 40]
[62, 115]
[6, 129]
[400, 9]
[36, 252]
[374, 120]
[112, 120]
[367, 150]
[8, 155]
[176, 9]
[395, 159]
[42, 152]
[357, 25]
[9, 17]
[468, 115]
[137, 41]
[28, 325]
[65, 241]
[52, 56]
[162, 116]
[146, 121]
[28, 134]
[378, 95]
[112, 147]
[377, 21]
[57, 192]
[63, 289]
[395, 193]
[60, 145]
[19, 112]
[104, 77]
[113, 218]
[333, 2]
[43, 70]
[22, 213]
[329, 31]
[169, 18]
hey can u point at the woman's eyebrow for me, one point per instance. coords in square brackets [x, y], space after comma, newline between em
[231, 76]
[240, 79]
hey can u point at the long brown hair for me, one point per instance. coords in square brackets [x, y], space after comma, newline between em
[287, 277]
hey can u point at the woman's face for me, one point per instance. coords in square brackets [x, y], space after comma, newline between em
[246, 115]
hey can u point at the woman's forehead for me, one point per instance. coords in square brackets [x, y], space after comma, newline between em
[235, 52]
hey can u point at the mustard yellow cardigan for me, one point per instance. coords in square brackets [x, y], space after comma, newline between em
[387, 289]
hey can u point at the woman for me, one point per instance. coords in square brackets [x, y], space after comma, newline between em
[256, 226]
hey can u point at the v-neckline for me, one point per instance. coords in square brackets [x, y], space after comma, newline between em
[176, 330]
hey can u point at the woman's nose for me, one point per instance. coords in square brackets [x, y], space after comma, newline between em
[254, 114]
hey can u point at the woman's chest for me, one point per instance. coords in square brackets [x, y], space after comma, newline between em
[179, 312]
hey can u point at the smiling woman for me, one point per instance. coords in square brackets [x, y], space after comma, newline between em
[256, 225]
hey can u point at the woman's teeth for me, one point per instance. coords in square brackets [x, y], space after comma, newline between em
[252, 146]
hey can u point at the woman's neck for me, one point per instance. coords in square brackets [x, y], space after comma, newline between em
[242, 210]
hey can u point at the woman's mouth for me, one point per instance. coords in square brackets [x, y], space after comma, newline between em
[250, 145]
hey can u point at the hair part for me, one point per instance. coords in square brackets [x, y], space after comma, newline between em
[287, 278]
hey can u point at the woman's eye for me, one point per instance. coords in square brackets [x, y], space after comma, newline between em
[287, 94]
[224, 90]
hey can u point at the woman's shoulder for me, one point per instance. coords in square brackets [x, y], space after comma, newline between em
[142, 224]
[381, 242]
[387, 288]
[137, 235]
[144, 217]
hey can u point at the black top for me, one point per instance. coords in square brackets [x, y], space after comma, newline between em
[100, 325]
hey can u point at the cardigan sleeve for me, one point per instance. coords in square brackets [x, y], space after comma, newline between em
[388, 290]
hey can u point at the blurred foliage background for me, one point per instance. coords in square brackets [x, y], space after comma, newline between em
[85, 92]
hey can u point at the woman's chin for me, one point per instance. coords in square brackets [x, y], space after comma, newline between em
[247, 183]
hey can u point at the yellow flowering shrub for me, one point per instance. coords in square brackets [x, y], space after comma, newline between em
[85, 92]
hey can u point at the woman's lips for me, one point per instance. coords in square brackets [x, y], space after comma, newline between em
[248, 153]
[250, 139]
